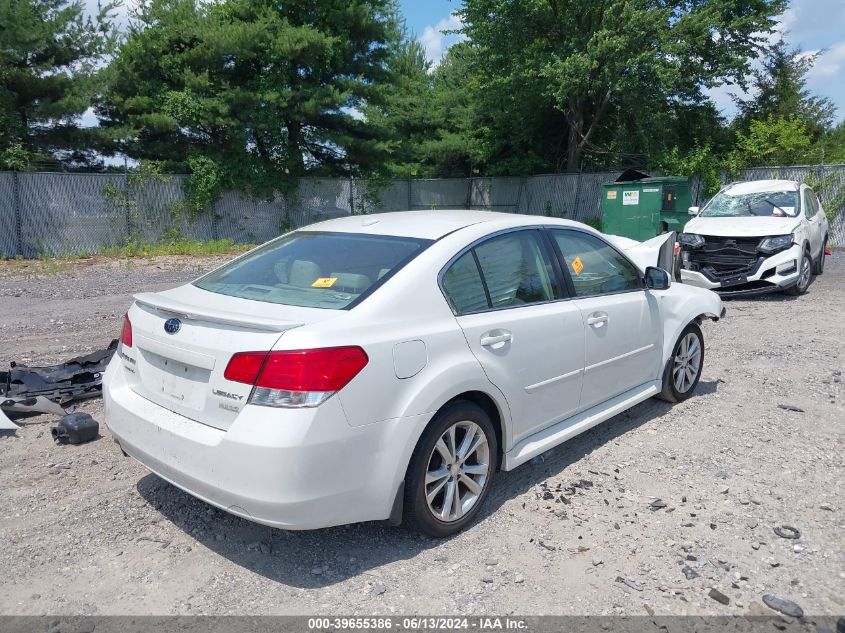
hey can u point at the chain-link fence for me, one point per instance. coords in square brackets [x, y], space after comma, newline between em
[53, 214]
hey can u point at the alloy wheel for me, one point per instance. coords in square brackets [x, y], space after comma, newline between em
[687, 362]
[806, 272]
[457, 472]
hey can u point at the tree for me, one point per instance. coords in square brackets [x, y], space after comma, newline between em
[403, 115]
[558, 70]
[269, 91]
[776, 141]
[779, 89]
[833, 144]
[49, 57]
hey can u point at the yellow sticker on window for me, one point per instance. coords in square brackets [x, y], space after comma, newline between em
[577, 265]
[324, 282]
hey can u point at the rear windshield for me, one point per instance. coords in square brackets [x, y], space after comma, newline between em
[314, 270]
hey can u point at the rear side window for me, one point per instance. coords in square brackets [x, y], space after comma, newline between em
[314, 270]
[505, 271]
[463, 286]
[594, 266]
[809, 208]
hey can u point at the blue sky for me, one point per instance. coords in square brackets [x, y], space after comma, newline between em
[811, 25]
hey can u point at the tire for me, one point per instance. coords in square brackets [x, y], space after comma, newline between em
[804, 277]
[818, 269]
[681, 389]
[439, 518]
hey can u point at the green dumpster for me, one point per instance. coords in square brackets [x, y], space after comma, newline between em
[641, 209]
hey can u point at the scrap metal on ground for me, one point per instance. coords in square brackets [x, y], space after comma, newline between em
[31, 390]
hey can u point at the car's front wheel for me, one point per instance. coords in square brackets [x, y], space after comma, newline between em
[683, 371]
[451, 470]
[805, 274]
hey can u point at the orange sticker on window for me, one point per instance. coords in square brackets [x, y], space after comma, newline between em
[324, 282]
[577, 265]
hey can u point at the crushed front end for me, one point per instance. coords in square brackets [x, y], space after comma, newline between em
[736, 266]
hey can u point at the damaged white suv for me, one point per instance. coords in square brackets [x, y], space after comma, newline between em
[755, 237]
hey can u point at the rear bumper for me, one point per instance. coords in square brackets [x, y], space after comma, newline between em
[765, 279]
[293, 469]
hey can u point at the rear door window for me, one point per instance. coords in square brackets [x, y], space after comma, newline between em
[505, 271]
[314, 269]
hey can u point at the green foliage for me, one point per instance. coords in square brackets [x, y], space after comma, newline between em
[779, 86]
[266, 91]
[172, 243]
[204, 185]
[555, 80]
[776, 141]
[49, 57]
[701, 162]
[14, 157]
[833, 144]
[128, 197]
[595, 222]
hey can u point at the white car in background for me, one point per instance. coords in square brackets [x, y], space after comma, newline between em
[385, 366]
[755, 237]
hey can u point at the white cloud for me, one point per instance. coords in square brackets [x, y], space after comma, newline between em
[436, 42]
[89, 119]
[830, 63]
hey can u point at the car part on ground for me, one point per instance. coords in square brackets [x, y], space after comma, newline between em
[6, 424]
[76, 379]
[31, 406]
[75, 428]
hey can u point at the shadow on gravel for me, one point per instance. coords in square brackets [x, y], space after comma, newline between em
[319, 558]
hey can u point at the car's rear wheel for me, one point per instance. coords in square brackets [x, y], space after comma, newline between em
[805, 267]
[451, 470]
[683, 371]
[819, 267]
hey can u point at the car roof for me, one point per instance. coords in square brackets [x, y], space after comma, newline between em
[761, 186]
[429, 224]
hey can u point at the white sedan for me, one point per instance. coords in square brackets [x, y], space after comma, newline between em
[386, 366]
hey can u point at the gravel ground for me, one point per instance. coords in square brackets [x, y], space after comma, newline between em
[579, 531]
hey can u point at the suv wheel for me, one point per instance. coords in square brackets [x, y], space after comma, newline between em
[819, 267]
[683, 371]
[805, 266]
[451, 470]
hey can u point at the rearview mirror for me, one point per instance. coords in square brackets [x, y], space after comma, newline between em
[656, 278]
[693, 210]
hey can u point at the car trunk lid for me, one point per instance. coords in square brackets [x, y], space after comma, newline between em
[183, 340]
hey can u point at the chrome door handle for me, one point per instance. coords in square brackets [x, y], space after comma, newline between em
[597, 320]
[490, 339]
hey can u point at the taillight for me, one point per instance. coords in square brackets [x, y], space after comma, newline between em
[244, 367]
[126, 335]
[296, 378]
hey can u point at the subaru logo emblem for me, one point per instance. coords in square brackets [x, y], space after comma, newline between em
[171, 326]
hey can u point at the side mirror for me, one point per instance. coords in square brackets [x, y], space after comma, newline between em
[693, 210]
[656, 278]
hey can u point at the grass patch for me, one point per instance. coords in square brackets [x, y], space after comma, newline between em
[178, 246]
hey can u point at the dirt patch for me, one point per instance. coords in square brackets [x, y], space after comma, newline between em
[652, 510]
